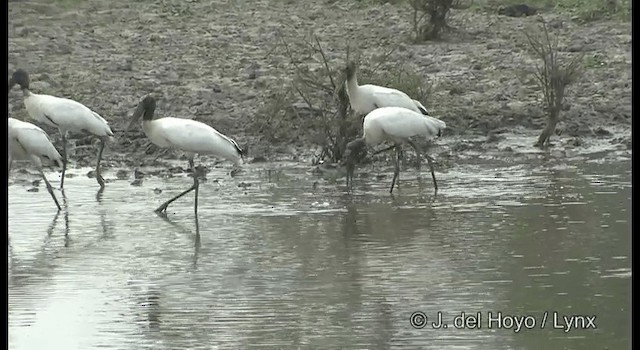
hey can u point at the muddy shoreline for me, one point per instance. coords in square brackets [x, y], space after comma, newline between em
[217, 62]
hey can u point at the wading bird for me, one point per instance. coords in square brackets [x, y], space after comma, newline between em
[366, 98]
[64, 114]
[189, 136]
[396, 125]
[29, 142]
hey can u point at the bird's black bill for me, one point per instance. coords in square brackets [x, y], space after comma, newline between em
[136, 115]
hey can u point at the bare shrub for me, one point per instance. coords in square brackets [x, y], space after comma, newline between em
[430, 18]
[315, 107]
[553, 76]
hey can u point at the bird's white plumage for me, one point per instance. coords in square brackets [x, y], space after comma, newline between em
[29, 142]
[366, 98]
[192, 137]
[65, 114]
[397, 124]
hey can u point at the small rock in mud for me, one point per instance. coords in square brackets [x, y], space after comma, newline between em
[492, 137]
[600, 131]
[137, 174]
[518, 10]
[136, 182]
[36, 183]
[575, 142]
[380, 176]
[176, 170]
[259, 159]
[91, 174]
[507, 149]
[33, 189]
[244, 185]
[122, 174]
[157, 190]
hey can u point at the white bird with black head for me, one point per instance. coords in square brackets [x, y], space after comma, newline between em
[29, 142]
[64, 114]
[395, 125]
[190, 136]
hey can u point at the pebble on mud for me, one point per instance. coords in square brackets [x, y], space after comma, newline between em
[157, 190]
[33, 189]
[122, 174]
[137, 174]
[600, 131]
[136, 182]
[36, 183]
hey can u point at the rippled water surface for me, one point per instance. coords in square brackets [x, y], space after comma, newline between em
[289, 260]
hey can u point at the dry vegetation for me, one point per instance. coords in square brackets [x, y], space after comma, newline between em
[316, 103]
[269, 72]
[553, 76]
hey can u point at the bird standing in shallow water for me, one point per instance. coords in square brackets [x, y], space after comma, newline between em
[365, 98]
[397, 125]
[29, 142]
[64, 114]
[189, 136]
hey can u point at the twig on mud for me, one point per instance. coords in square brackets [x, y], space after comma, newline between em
[304, 97]
[326, 63]
[384, 59]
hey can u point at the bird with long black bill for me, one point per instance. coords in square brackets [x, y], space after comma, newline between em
[190, 136]
[29, 142]
[65, 115]
[395, 125]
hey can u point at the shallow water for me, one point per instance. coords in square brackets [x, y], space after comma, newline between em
[284, 263]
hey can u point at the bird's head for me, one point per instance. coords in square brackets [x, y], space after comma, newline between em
[350, 70]
[354, 152]
[145, 109]
[19, 77]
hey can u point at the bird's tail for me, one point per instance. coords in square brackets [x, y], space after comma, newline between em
[421, 108]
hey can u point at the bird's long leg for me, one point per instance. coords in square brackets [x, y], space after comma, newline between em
[50, 189]
[433, 175]
[163, 207]
[396, 172]
[196, 185]
[64, 158]
[98, 175]
[350, 170]
[418, 152]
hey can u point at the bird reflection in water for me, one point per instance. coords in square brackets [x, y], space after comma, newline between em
[197, 242]
[54, 222]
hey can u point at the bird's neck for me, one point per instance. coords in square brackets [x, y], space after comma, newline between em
[26, 92]
[352, 86]
[147, 126]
